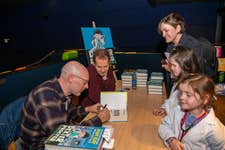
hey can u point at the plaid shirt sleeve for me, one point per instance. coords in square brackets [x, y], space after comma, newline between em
[79, 112]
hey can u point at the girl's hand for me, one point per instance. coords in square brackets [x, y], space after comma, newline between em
[159, 112]
[165, 64]
[175, 144]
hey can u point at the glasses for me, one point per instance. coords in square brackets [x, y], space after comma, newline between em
[85, 80]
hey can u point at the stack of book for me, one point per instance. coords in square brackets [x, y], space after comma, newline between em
[156, 75]
[142, 77]
[126, 78]
[155, 83]
[154, 86]
[76, 137]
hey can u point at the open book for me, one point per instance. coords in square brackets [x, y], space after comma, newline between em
[117, 104]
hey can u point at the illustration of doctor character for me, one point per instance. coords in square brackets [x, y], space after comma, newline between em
[98, 42]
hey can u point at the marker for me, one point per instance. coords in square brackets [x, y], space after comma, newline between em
[101, 108]
[107, 141]
[105, 106]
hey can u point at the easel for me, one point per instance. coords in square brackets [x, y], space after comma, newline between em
[114, 71]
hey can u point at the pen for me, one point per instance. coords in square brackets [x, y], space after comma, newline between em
[101, 108]
[107, 141]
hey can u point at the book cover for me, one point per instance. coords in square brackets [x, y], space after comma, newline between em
[98, 38]
[75, 137]
[142, 72]
[155, 92]
[221, 64]
[154, 83]
[117, 105]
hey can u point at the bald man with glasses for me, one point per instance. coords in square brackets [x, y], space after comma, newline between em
[49, 105]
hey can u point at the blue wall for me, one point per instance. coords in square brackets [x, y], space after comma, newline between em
[38, 26]
[20, 83]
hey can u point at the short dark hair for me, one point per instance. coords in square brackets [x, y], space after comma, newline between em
[173, 19]
[101, 54]
[98, 32]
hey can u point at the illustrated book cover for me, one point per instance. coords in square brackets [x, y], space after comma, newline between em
[117, 104]
[98, 38]
[76, 138]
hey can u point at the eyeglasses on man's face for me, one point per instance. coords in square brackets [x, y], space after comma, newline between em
[85, 80]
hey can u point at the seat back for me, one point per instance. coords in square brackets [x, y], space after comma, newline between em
[10, 118]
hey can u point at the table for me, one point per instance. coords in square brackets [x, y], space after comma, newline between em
[141, 130]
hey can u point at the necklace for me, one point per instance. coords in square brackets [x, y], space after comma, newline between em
[182, 123]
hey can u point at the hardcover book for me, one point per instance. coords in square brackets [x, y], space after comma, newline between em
[155, 84]
[156, 75]
[76, 138]
[142, 72]
[117, 104]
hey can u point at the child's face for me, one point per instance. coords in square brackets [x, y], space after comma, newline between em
[189, 100]
[175, 67]
[82, 134]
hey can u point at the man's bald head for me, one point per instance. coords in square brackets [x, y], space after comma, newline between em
[76, 68]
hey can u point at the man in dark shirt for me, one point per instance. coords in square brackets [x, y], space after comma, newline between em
[49, 105]
[101, 78]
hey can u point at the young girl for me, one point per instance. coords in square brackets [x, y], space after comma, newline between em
[182, 61]
[192, 125]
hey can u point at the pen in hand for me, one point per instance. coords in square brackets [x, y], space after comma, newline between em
[105, 106]
[101, 108]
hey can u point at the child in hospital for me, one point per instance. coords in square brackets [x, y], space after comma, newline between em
[182, 60]
[192, 125]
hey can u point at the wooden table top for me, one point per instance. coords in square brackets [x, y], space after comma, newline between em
[141, 130]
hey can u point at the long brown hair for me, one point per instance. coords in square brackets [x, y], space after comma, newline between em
[186, 59]
[202, 85]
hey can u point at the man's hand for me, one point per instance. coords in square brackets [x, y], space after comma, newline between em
[94, 108]
[104, 115]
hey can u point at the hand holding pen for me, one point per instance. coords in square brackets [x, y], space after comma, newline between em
[101, 108]
[104, 114]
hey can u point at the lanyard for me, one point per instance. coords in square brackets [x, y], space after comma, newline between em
[185, 131]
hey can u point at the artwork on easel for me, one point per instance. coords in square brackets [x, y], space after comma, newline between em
[98, 38]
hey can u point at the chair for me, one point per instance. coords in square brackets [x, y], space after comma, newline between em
[10, 122]
[219, 107]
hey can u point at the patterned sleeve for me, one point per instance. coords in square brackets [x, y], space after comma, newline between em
[78, 112]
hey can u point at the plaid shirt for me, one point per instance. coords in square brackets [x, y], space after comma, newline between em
[44, 110]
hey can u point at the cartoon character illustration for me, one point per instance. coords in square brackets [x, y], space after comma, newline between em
[98, 39]
[75, 138]
[98, 42]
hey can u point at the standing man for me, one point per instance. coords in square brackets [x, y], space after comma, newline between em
[49, 105]
[101, 78]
